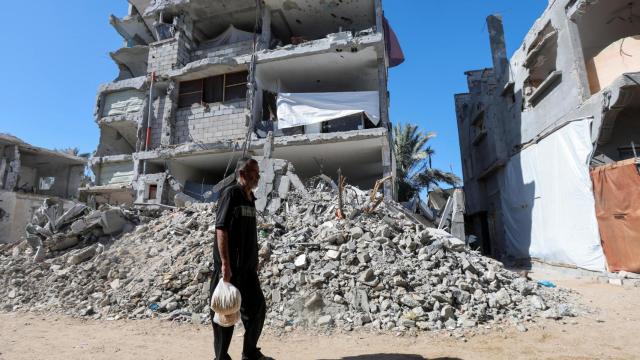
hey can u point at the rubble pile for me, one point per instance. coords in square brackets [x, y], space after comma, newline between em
[383, 271]
[161, 267]
[378, 271]
[53, 230]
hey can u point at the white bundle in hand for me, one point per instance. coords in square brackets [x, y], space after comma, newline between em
[226, 299]
[227, 320]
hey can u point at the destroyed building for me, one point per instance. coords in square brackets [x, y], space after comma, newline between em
[198, 78]
[29, 175]
[546, 136]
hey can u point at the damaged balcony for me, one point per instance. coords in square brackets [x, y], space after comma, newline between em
[291, 21]
[120, 111]
[360, 154]
[201, 33]
[113, 180]
[131, 61]
[133, 28]
[328, 85]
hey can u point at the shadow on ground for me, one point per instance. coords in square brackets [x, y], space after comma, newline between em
[392, 357]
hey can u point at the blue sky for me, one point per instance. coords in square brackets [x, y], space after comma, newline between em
[54, 62]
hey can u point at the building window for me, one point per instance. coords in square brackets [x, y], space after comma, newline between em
[479, 130]
[46, 183]
[541, 62]
[628, 152]
[221, 88]
[153, 192]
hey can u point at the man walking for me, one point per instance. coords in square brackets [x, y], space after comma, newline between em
[236, 260]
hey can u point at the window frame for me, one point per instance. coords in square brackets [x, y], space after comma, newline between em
[225, 86]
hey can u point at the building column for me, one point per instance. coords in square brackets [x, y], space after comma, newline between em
[13, 172]
[498, 48]
[580, 67]
[265, 38]
[3, 166]
[383, 92]
[168, 121]
[388, 169]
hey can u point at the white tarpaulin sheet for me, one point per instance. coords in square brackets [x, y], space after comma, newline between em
[548, 203]
[230, 36]
[312, 108]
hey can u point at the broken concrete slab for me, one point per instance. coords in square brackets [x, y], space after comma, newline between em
[112, 221]
[283, 188]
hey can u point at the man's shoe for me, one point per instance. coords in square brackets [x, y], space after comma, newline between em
[258, 356]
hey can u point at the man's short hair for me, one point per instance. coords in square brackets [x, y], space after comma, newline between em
[242, 165]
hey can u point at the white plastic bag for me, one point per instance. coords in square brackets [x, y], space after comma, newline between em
[227, 320]
[226, 299]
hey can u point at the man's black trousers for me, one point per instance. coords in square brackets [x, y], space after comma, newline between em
[253, 312]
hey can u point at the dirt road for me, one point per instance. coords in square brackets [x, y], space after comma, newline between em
[611, 333]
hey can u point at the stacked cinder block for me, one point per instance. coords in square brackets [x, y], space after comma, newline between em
[216, 122]
[163, 56]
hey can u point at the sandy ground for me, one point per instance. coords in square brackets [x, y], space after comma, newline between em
[610, 333]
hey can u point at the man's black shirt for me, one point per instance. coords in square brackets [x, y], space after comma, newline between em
[237, 215]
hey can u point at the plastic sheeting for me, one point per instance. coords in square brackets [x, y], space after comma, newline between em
[617, 192]
[311, 108]
[548, 203]
[394, 50]
[229, 36]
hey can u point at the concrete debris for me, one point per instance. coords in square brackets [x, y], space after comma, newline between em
[375, 271]
[51, 231]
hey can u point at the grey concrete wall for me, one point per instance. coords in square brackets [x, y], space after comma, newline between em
[115, 173]
[218, 122]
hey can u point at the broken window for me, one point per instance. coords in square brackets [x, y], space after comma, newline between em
[220, 88]
[153, 192]
[235, 86]
[269, 106]
[628, 152]
[348, 123]
[46, 183]
[190, 93]
[479, 131]
[541, 62]
[213, 89]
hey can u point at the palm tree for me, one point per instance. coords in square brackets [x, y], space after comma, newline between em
[414, 168]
